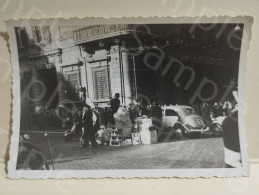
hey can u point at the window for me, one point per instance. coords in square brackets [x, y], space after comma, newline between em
[67, 31]
[21, 37]
[170, 113]
[41, 34]
[73, 80]
[190, 111]
[101, 84]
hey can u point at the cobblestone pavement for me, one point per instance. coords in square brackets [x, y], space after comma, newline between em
[204, 152]
[199, 153]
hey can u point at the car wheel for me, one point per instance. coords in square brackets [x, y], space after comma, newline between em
[178, 133]
[36, 162]
[216, 130]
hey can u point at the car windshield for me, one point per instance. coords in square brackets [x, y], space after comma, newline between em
[170, 112]
[189, 111]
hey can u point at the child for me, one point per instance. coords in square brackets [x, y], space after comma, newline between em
[104, 135]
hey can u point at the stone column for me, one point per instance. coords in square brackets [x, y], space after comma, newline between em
[126, 75]
[115, 73]
[60, 87]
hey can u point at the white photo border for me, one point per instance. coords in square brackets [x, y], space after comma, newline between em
[132, 173]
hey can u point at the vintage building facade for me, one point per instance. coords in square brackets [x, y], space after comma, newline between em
[57, 62]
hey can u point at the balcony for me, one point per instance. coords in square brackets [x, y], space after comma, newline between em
[97, 32]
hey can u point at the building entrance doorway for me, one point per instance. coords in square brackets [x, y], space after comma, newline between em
[49, 78]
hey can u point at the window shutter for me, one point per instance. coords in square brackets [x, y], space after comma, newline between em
[24, 37]
[21, 37]
[101, 84]
[34, 35]
[73, 80]
[41, 34]
[46, 33]
[38, 34]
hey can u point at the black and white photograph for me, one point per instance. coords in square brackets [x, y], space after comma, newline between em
[131, 97]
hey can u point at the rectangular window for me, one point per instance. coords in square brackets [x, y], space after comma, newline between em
[66, 32]
[41, 34]
[101, 84]
[21, 37]
[46, 33]
[73, 80]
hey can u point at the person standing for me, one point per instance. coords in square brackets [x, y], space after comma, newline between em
[106, 116]
[156, 115]
[115, 104]
[88, 131]
[77, 121]
[230, 135]
[205, 113]
[96, 119]
[41, 120]
[142, 110]
[82, 93]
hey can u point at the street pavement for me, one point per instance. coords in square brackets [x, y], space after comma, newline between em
[203, 152]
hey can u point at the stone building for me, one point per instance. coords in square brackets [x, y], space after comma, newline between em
[57, 62]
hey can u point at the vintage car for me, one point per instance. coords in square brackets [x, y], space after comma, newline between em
[182, 120]
[29, 156]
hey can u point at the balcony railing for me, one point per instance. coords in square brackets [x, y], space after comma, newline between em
[97, 32]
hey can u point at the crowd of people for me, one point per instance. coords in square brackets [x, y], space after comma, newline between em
[213, 110]
[90, 119]
[45, 118]
[86, 121]
[64, 118]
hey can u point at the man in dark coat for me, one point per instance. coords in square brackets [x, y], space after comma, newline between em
[205, 113]
[87, 123]
[231, 141]
[230, 134]
[156, 115]
[78, 122]
[115, 104]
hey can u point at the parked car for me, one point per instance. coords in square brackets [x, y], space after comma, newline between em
[182, 120]
[29, 156]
